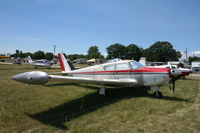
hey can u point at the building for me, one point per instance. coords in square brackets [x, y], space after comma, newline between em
[195, 65]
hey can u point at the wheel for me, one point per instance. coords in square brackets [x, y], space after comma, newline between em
[183, 77]
[158, 94]
[106, 93]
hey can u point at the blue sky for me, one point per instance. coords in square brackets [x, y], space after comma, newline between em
[75, 25]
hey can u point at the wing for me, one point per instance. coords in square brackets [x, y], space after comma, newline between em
[38, 78]
[69, 79]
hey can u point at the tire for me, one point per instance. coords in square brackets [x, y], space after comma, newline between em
[159, 95]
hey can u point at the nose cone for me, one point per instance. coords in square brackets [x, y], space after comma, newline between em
[175, 72]
[19, 77]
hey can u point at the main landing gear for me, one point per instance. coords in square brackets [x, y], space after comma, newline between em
[103, 91]
[156, 93]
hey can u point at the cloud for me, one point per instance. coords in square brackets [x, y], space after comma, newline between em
[192, 54]
[195, 53]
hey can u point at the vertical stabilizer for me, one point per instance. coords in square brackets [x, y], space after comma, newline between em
[29, 59]
[65, 65]
[143, 61]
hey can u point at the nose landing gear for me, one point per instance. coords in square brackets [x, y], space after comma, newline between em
[157, 93]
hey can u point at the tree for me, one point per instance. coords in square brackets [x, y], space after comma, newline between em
[28, 54]
[133, 52]
[21, 55]
[93, 52]
[180, 65]
[162, 51]
[116, 51]
[17, 52]
[191, 59]
[72, 57]
[39, 55]
[49, 56]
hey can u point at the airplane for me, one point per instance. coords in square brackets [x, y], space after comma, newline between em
[4, 57]
[39, 63]
[126, 73]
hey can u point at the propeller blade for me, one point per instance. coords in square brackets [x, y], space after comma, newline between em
[170, 87]
[173, 83]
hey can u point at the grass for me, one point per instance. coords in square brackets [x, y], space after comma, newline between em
[58, 107]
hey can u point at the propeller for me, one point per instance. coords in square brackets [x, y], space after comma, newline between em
[172, 81]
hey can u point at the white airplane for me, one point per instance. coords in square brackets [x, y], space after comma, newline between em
[39, 63]
[122, 73]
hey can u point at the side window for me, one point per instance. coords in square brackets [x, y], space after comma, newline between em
[123, 66]
[173, 67]
[109, 67]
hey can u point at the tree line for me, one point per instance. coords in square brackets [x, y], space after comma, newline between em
[191, 59]
[36, 55]
[161, 51]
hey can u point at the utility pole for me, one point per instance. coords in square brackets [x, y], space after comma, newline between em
[186, 55]
[54, 54]
[54, 49]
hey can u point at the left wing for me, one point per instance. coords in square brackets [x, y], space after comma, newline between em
[38, 78]
[69, 79]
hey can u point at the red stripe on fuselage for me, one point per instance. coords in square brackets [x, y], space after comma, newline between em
[61, 63]
[141, 70]
[185, 73]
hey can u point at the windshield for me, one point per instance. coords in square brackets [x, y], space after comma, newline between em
[135, 65]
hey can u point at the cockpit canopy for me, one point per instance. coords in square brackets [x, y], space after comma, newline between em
[135, 65]
[123, 66]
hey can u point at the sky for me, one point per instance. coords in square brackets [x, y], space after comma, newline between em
[75, 25]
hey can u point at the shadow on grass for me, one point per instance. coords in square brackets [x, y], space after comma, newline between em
[186, 79]
[176, 99]
[58, 115]
[58, 84]
[69, 84]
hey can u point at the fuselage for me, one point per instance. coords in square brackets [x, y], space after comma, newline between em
[126, 69]
[41, 63]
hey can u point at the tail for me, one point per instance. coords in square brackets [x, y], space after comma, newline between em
[65, 65]
[143, 61]
[29, 59]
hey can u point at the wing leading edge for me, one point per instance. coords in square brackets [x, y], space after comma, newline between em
[68, 79]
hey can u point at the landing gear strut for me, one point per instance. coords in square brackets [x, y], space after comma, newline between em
[156, 93]
[103, 91]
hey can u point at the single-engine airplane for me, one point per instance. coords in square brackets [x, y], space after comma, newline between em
[39, 63]
[128, 73]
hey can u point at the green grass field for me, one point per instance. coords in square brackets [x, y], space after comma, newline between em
[57, 107]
